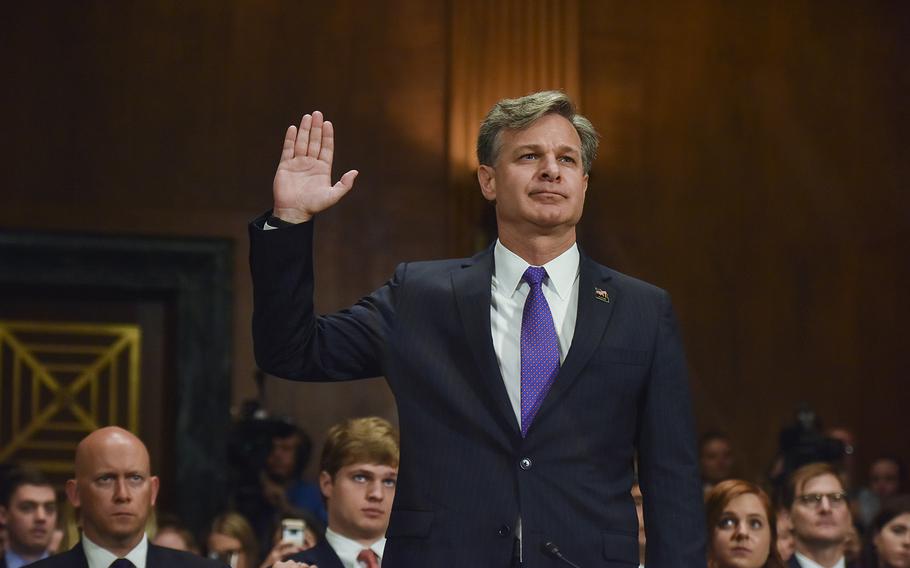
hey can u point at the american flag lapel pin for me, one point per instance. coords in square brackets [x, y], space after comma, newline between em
[601, 294]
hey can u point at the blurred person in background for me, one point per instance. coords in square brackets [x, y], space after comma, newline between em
[741, 527]
[786, 544]
[817, 501]
[171, 533]
[886, 478]
[889, 542]
[28, 510]
[715, 459]
[232, 541]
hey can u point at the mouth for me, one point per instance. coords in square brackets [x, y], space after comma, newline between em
[741, 550]
[546, 194]
[373, 513]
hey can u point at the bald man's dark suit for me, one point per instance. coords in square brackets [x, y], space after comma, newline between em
[157, 557]
[466, 473]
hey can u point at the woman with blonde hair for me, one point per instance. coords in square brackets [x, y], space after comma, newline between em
[232, 541]
[742, 531]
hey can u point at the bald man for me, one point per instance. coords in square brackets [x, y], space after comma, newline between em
[114, 491]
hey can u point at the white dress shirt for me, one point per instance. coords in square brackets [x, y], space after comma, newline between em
[98, 557]
[13, 560]
[509, 293]
[807, 563]
[347, 549]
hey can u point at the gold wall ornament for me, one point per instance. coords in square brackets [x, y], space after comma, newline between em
[59, 381]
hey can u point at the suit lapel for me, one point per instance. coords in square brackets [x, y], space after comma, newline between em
[590, 323]
[78, 555]
[472, 293]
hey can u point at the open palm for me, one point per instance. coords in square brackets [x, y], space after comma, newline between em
[303, 183]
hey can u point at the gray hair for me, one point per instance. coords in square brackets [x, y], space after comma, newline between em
[516, 114]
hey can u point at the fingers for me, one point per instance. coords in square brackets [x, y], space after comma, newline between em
[287, 151]
[328, 142]
[315, 135]
[303, 135]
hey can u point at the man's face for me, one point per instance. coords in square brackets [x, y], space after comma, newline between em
[716, 460]
[115, 491]
[884, 478]
[537, 182]
[359, 499]
[820, 523]
[283, 457]
[30, 519]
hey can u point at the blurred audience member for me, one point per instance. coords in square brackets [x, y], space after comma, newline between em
[233, 542]
[284, 467]
[639, 509]
[886, 478]
[847, 461]
[115, 491]
[741, 527]
[817, 502]
[889, 545]
[359, 472]
[715, 456]
[28, 509]
[171, 533]
[286, 546]
[786, 544]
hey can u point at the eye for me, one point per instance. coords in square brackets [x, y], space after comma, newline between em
[359, 478]
[389, 482]
[528, 156]
[105, 479]
[726, 523]
[136, 478]
[26, 507]
[567, 159]
[756, 524]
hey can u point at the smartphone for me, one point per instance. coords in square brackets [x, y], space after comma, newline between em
[292, 530]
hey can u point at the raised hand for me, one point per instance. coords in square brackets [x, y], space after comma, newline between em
[303, 182]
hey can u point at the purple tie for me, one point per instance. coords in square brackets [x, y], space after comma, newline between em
[539, 348]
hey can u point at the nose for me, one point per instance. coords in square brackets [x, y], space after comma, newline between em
[40, 513]
[121, 491]
[741, 533]
[825, 505]
[374, 491]
[549, 168]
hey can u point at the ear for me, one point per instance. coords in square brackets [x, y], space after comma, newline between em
[3, 518]
[155, 483]
[326, 484]
[487, 179]
[72, 492]
[584, 180]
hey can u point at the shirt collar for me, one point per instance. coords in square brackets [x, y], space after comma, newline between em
[809, 563]
[562, 270]
[346, 548]
[98, 557]
[13, 560]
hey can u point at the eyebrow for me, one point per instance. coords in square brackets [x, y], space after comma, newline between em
[564, 149]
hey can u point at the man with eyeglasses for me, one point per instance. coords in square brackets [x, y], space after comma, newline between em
[818, 508]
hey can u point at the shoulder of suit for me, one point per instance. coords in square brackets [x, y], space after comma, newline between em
[160, 556]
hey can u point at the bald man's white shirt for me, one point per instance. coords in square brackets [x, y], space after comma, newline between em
[98, 557]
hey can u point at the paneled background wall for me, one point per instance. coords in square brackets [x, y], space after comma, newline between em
[754, 162]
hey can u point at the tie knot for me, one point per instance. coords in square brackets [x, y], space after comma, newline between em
[368, 558]
[122, 563]
[534, 275]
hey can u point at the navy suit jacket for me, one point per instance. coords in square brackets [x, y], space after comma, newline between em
[466, 473]
[322, 555]
[157, 557]
[794, 563]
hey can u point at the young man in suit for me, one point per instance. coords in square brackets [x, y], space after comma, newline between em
[526, 377]
[28, 509]
[358, 478]
[114, 491]
[820, 514]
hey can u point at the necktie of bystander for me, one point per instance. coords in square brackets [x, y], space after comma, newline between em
[368, 558]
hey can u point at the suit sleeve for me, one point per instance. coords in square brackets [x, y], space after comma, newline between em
[668, 464]
[289, 340]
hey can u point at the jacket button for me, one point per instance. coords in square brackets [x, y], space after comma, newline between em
[525, 464]
[504, 530]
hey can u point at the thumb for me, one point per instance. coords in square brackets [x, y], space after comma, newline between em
[346, 183]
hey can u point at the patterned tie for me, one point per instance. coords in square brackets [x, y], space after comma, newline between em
[368, 557]
[539, 348]
[122, 563]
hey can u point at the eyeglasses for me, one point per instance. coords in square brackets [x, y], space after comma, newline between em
[815, 499]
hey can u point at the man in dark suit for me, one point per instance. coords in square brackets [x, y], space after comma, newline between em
[526, 377]
[817, 501]
[28, 510]
[359, 471]
[114, 491]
